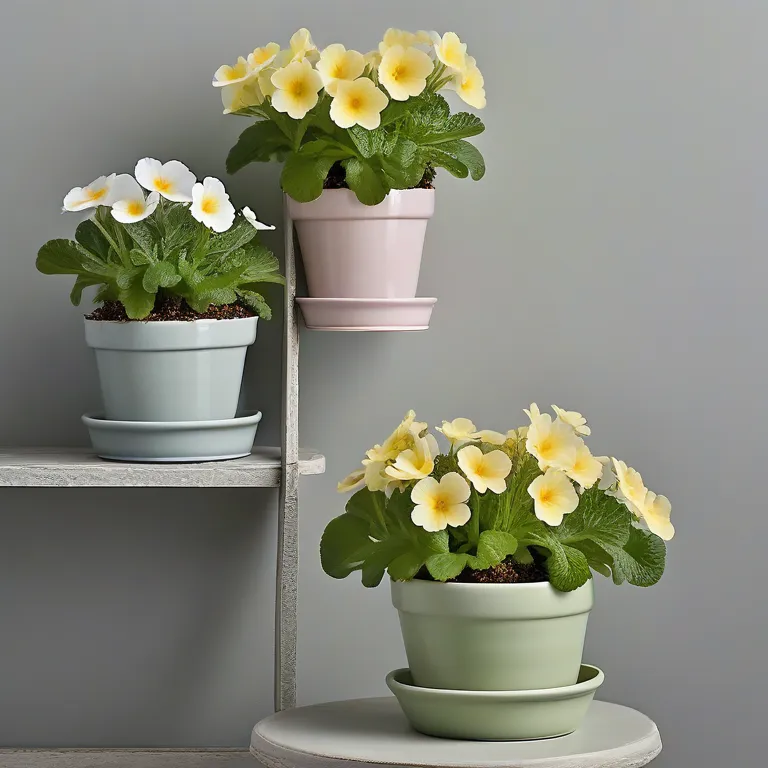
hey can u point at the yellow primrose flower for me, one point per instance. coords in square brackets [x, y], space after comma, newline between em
[352, 481]
[451, 51]
[301, 45]
[417, 462]
[573, 419]
[296, 91]
[262, 57]
[585, 469]
[357, 103]
[632, 492]
[404, 71]
[553, 496]
[396, 37]
[337, 63]
[372, 60]
[656, 511]
[469, 84]
[458, 431]
[440, 504]
[553, 443]
[490, 436]
[485, 470]
[237, 73]
[401, 439]
[241, 95]
[375, 479]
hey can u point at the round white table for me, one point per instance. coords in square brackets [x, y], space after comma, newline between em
[365, 732]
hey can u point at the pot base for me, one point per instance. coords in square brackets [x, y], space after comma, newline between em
[373, 314]
[173, 442]
[496, 715]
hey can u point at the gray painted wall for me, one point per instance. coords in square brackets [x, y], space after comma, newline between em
[613, 260]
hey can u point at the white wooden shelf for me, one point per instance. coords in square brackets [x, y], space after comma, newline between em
[79, 467]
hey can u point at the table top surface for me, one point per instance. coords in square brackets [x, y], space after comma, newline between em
[365, 732]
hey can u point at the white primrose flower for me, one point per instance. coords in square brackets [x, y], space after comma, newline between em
[251, 218]
[132, 206]
[173, 180]
[102, 191]
[211, 205]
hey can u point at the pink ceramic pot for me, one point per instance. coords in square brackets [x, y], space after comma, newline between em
[351, 250]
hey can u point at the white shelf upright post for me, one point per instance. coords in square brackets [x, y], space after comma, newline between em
[286, 598]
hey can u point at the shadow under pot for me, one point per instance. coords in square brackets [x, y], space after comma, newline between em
[492, 637]
[352, 250]
[170, 371]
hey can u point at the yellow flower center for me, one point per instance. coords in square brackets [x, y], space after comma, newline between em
[546, 496]
[355, 103]
[399, 72]
[260, 55]
[209, 205]
[338, 70]
[296, 88]
[135, 208]
[163, 185]
[92, 195]
[439, 504]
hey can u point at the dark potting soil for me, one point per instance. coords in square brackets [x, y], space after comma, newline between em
[168, 309]
[508, 572]
[336, 178]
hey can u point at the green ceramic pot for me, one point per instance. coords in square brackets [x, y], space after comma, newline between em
[492, 637]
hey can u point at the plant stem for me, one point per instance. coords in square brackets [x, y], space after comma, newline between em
[121, 254]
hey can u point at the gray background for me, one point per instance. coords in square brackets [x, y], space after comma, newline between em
[613, 260]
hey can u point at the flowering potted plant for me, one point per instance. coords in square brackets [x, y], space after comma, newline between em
[490, 545]
[361, 137]
[178, 273]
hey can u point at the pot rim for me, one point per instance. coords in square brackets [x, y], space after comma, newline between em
[468, 586]
[534, 694]
[150, 323]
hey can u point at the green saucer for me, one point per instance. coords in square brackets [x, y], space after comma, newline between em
[496, 715]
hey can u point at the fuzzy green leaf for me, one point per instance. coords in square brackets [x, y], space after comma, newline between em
[62, 257]
[257, 303]
[449, 565]
[462, 125]
[260, 143]
[494, 547]
[81, 282]
[344, 545]
[467, 154]
[239, 234]
[567, 567]
[365, 181]
[641, 560]
[599, 518]
[303, 175]
[160, 275]
[137, 301]
[143, 237]
[441, 159]
[91, 238]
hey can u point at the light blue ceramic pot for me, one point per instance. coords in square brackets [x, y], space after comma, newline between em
[492, 637]
[170, 370]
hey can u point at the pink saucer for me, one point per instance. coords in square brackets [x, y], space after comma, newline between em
[367, 314]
